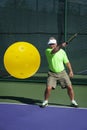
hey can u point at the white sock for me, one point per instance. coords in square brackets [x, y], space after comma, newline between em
[73, 100]
[46, 100]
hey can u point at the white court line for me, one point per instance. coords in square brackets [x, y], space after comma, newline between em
[81, 108]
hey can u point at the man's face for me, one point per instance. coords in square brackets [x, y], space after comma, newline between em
[53, 45]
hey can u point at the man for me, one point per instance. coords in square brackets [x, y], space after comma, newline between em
[56, 58]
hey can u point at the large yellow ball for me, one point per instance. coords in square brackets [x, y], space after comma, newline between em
[22, 60]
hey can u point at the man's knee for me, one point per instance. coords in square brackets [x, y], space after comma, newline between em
[70, 88]
[49, 88]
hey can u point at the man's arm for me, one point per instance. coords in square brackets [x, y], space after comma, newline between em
[64, 44]
[70, 69]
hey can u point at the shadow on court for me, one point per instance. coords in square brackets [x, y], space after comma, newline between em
[30, 101]
[22, 99]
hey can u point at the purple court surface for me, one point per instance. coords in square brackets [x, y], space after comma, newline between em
[33, 117]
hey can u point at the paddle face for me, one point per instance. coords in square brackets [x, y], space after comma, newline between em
[22, 60]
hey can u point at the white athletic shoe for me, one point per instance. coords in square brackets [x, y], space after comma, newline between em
[74, 103]
[45, 103]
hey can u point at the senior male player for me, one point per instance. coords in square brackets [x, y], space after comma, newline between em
[57, 60]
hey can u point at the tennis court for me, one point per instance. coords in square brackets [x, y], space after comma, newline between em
[33, 93]
[20, 107]
[32, 117]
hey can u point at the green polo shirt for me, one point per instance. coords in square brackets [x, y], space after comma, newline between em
[56, 61]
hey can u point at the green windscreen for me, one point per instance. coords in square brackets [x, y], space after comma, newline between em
[35, 21]
[77, 23]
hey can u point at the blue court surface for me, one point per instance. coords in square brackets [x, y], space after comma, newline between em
[33, 117]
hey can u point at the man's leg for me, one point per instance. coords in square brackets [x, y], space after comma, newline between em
[47, 92]
[65, 81]
[46, 96]
[71, 95]
[51, 84]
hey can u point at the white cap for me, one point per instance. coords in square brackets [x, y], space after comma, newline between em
[52, 41]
